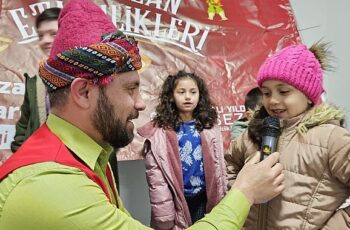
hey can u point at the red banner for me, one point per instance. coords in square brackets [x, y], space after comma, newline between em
[223, 41]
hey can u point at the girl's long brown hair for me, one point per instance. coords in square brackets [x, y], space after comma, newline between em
[167, 114]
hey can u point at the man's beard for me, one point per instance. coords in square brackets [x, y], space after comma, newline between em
[112, 129]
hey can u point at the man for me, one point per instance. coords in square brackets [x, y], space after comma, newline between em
[60, 178]
[35, 107]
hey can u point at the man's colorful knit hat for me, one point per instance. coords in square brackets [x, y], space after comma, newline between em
[87, 45]
[297, 66]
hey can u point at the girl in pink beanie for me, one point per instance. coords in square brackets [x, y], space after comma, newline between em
[314, 146]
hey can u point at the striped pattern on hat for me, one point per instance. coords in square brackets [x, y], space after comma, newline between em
[116, 53]
[87, 45]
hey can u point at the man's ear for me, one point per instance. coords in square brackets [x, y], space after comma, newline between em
[82, 92]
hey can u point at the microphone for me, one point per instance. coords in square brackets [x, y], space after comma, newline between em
[270, 132]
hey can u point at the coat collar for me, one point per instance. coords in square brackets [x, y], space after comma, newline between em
[317, 115]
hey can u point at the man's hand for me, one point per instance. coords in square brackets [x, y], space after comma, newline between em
[261, 181]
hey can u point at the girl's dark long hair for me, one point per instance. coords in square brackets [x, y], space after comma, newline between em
[167, 114]
[255, 125]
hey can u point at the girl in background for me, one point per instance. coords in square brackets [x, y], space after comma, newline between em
[184, 156]
[314, 146]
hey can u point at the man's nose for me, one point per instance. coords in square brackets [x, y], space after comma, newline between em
[139, 103]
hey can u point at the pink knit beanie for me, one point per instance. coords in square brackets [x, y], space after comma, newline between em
[87, 45]
[295, 65]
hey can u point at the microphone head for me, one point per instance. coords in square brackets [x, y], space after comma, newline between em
[271, 127]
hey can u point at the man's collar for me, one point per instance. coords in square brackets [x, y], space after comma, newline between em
[77, 141]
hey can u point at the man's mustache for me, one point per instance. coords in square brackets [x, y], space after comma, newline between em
[133, 116]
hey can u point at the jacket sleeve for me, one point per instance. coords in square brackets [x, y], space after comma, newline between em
[237, 129]
[339, 155]
[339, 220]
[22, 123]
[234, 158]
[83, 206]
[161, 198]
[230, 213]
[339, 163]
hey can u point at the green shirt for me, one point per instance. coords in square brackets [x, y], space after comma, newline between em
[54, 196]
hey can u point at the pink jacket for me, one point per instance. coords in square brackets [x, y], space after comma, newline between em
[164, 175]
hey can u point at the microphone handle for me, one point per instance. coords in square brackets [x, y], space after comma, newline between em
[268, 146]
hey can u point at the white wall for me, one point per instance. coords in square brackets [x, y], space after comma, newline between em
[316, 19]
[134, 190]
